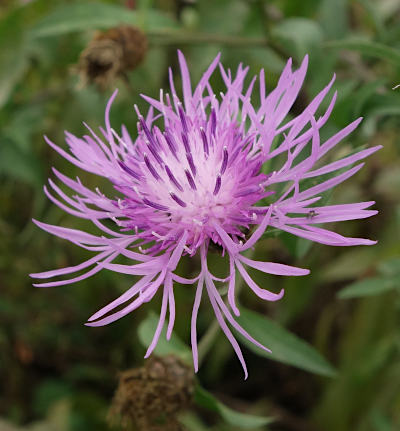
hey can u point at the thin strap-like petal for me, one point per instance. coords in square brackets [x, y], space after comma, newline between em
[273, 268]
[161, 321]
[233, 322]
[256, 235]
[177, 253]
[93, 271]
[70, 269]
[339, 164]
[184, 280]
[171, 305]
[186, 85]
[193, 325]
[126, 296]
[262, 293]
[144, 297]
[231, 286]
[225, 328]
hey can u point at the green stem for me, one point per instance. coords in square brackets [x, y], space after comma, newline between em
[185, 38]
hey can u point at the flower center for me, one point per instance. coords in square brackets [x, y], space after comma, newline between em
[191, 177]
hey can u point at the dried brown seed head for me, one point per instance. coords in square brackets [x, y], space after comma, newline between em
[152, 395]
[111, 54]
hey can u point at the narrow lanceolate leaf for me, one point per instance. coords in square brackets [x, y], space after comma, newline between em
[369, 287]
[285, 346]
[174, 346]
[368, 48]
[232, 417]
[390, 267]
[84, 16]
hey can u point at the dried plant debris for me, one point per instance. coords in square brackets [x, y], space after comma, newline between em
[149, 398]
[110, 55]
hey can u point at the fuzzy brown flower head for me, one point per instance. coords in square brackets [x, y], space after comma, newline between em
[151, 396]
[111, 54]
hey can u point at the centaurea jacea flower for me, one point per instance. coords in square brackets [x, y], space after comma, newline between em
[199, 181]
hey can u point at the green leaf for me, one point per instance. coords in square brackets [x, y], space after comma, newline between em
[84, 16]
[154, 20]
[383, 104]
[13, 54]
[384, 348]
[271, 233]
[22, 125]
[174, 346]
[48, 392]
[368, 287]
[192, 422]
[390, 267]
[242, 420]
[299, 35]
[303, 246]
[285, 346]
[20, 164]
[367, 47]
[380, 421]
[364, 94]
[334, 28]
[221, 16]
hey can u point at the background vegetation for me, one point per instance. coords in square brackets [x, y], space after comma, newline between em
[338, 368]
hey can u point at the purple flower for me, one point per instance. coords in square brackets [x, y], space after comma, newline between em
[201, 180]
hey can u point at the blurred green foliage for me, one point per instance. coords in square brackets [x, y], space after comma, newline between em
[57, 374]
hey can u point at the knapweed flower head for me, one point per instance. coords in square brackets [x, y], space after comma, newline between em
[195, 176]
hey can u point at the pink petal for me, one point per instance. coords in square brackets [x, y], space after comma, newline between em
[70, 269]
[258, 232]
[93, 271]
[231, 287]
[339, 164]
[225, 328]
[177, 253]
[144, 297]
[193, 326]
[130, 293]
[232, 321]
[274, 268]
[171, 305]
[72, 235]
[262, 293]
[186, 86]
[160, 324]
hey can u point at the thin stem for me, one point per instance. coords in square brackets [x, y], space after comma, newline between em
[184, 38]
